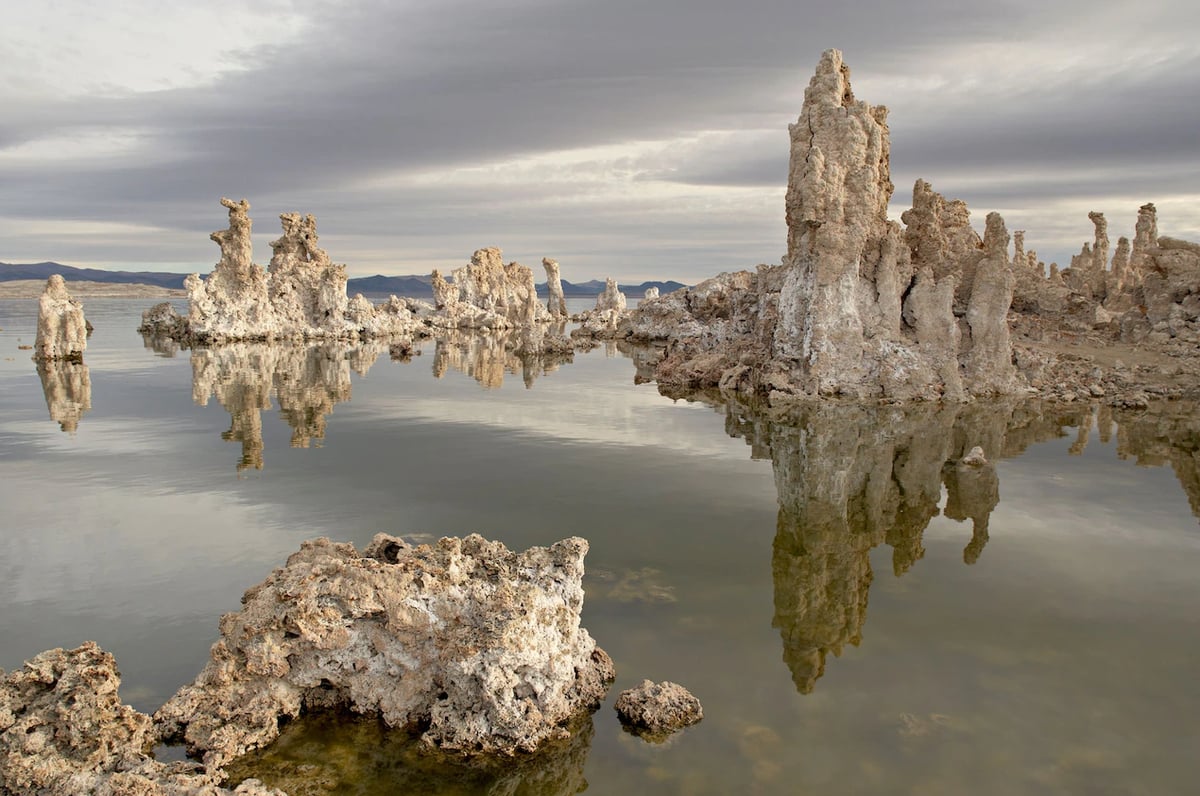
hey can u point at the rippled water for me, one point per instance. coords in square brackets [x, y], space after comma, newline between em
[857, 613]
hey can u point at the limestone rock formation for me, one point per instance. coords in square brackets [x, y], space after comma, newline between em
[556, 303]
[487, 294]
[61, 328]
[64, 730]
[651, 293]
[480, 646]
[860, 306]
[302, 294]
[608, 318]
[655, 710]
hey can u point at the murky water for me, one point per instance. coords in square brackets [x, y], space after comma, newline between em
[857, 613]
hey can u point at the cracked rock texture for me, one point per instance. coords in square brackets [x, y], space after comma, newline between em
[608, 319]
[61, 328]
[655, 710]
[64, 730]
[861, 307]
[302, 294]
[478, 646]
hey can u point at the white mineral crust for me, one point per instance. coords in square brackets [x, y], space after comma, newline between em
[61, 327]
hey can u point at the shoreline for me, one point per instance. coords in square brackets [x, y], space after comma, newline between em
[32, 289]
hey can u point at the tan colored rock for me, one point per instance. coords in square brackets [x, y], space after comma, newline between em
[556, 303]
[64, 730]
[608, 319]
[301, 296]
[861, 307]
[480, 645]
[61, 327]
[651, 293]
[656, 710]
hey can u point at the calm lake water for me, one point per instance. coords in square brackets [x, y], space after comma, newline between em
[856, 613]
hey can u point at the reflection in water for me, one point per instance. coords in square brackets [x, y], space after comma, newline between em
[487, 357]
[68, 390]
[850, 478]
[1169, 435]
[333, 753]
[307, 381]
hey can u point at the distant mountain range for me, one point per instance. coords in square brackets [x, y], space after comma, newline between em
[413, 285]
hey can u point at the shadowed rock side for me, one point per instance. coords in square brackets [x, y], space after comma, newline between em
[307, 380]
[860, 306]
[487, 357]
[850, 478]
[61, 328]
[64, 730]
[67, 386]
[336, 753]
[479, 647]
[864, 308]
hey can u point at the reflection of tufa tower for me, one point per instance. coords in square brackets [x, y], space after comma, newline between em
[307, 381]
[853, 477]
[68, 390]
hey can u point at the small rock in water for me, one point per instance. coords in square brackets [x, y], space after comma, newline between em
[655, 710]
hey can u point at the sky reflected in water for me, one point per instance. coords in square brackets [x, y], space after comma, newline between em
[857, 612]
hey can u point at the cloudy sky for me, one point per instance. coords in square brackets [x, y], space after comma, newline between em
[632, 138]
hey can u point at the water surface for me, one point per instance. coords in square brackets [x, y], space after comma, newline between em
[857, 613]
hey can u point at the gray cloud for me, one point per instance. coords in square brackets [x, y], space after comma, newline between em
[371, 90]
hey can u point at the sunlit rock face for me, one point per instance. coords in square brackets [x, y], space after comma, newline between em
[851, 477]
[64, 730]
[556, 304]
[861, 307]
[608, 319]
[61, 327]
[67, 386]
[302, 294]
[479, 646]
[487, 294]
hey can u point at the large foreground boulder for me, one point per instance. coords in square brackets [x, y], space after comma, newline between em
[478, 647]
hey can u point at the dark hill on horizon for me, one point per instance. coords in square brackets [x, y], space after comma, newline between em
[415, 285]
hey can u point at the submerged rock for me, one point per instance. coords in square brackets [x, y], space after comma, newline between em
[61, 328]
[655, 710]
[478, 646]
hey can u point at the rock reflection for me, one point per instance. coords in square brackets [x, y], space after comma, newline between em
[307, 381]
[67, 386]
[487, 357]
[1170, 435]
[333, 753]
[850, 478]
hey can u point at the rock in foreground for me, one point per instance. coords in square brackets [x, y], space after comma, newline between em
[63, 729]
[478, 646]
[655, 710]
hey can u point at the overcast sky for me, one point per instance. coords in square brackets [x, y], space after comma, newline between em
[633, 138]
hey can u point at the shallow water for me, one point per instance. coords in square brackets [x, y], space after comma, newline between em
[856, 613]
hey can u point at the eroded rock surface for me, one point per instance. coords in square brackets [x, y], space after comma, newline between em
[64, 730]
[302, 294]
[655, 710]
[480, 646]
[861, 307]
[61, 328]
[608, 319]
